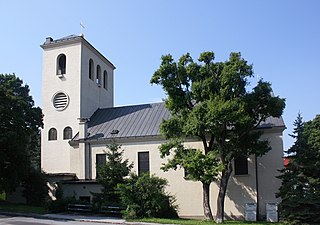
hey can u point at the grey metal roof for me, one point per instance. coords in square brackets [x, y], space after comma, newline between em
[130, 121]
[139, 121]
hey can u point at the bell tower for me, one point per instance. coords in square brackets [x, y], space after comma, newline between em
[76, 80]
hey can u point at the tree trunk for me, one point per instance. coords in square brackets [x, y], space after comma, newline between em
[226, 172]
[206, 201]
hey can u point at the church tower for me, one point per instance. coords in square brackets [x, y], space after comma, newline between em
[76, 81]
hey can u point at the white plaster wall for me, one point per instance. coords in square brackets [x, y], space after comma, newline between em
[241, 189]
[55, 154]
[92, 95]
[268, 169]
[80, 189]
[85, 98]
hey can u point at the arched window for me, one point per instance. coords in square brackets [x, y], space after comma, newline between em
[52, 134]
[67, 133]
[91, 69]
[98, 80]
[61, 64]
[105, 80]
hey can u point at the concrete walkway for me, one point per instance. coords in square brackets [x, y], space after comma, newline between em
[74, 217]
[86, 218]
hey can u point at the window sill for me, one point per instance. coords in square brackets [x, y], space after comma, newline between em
[241, 175]
[60, 75]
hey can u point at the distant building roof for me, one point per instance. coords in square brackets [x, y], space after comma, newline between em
[138, 121]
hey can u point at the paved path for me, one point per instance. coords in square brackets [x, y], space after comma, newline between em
[12, 218]
[21, 220]
[66, 217]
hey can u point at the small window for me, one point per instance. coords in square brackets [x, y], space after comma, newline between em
[241, 165]
[143, 162]
[100, 161]
[52, 134]
[105, 80]
[91, 69]
[61, 64]
[67, 133]
[84, 199]
[98, 80]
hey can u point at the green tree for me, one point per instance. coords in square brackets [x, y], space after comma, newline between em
[20, 122]
[111, 174]
[300, 189]
[145, 196]
[35, 187]
[209, 100]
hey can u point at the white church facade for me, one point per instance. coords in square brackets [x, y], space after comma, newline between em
[80, 119]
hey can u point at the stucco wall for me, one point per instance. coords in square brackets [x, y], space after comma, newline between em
[268, 169]
[85, 97]
[241, 189]
[94, 96]
[55, 156]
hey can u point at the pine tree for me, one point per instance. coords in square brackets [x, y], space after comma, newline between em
[110, 175]
[300, 190]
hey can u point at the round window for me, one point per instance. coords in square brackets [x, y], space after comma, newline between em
[60, 101]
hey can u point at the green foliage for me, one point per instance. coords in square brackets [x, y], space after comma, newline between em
[20, 121]
[209, 100]
[200, 167]
[145, 196]
[35, 187]
[300, 190]
[2, 196]
[110, 175]
[61, 204]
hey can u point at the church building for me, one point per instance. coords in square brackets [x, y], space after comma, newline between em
[80, 119]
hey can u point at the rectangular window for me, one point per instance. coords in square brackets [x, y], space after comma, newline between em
[143, 162]
[85, 199]
[100, 161]
[241, 165]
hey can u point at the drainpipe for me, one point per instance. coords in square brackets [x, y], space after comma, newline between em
[257, 187]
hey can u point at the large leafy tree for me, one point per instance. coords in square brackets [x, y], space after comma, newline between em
[300, 189]
[210, 101]
[20, 122]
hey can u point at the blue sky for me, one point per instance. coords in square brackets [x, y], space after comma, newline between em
[280, 38]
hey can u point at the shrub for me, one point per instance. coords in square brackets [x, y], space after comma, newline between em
[145, 196]
[35, 187]
[60, 205]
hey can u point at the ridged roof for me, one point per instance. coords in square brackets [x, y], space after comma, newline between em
[73, 39]
[130, 121]
[139, 121]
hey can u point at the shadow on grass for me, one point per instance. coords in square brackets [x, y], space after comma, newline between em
[197, 222]
[22, 208]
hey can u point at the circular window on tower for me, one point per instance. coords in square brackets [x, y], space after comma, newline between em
[60, 101]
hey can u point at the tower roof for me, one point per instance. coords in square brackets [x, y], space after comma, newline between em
[71, 39]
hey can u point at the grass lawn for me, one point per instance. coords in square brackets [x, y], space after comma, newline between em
[2, 196]
[198, 222]
[4, 206]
